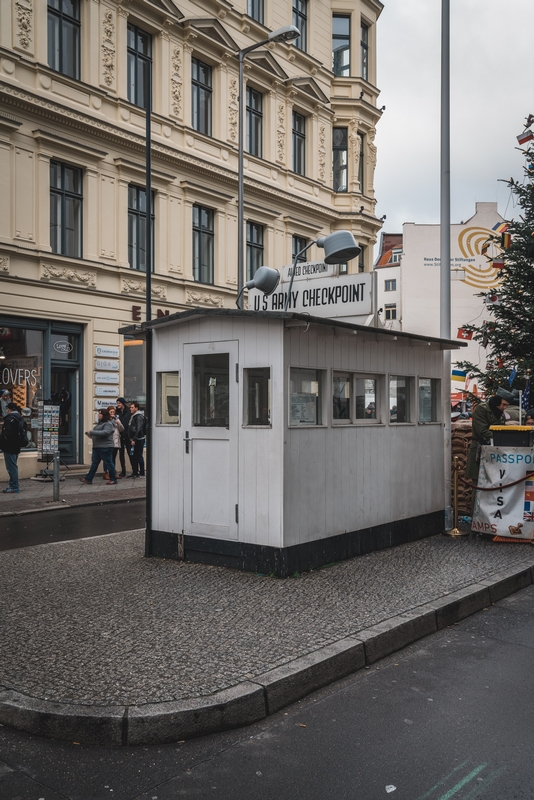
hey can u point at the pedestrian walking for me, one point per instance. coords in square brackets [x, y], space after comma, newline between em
[11, 443]
[136, 433]
[118, 429]
[102, 436]
[124, 414]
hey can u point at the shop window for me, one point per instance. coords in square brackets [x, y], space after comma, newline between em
[201, 96]
[66, 209]
[139, 62]
[211, 390]
[21, 373]
[134, 370]
[429, 395]
[305, 398]
[168, 398]
[257, 395]
[341, 45]
[64, 37]
[399, 398]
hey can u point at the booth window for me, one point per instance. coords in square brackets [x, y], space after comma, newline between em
[305, 397]
[341, 394]
[168, 398]
[258, 396]
[134, 369]
[399, 398]
[366, 399]
[429, 391]
[211, 390]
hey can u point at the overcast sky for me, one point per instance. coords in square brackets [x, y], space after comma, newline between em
[492, 92]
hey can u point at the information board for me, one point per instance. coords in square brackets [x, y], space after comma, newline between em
[48, 430]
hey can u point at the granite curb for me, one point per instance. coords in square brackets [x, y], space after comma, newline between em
[261, 696]
[56, 506]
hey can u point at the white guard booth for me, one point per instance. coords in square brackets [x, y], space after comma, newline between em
[283, 441]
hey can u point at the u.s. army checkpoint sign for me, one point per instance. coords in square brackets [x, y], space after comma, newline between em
[505, 511]
[333, 296]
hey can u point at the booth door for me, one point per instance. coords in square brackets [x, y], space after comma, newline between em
[210, 425]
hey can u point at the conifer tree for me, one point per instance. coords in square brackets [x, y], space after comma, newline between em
[508, 333]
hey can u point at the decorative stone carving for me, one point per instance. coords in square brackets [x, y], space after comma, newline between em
[233, 110]
[355, 143]
[53, 273]
[159, 290]
[281, 133]
[122, 7]
[137, 287]
[24, 24]
[371, 156]
[176, 82]
[322, 152]
[196, 298]
[4, 264]
[108, 48]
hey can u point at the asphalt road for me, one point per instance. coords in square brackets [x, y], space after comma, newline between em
[449, 718]
[70, 523]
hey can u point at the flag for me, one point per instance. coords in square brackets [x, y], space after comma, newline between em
[500, 227]
[498, 263]
[463, 334]
[525, 399]
[525, 137]
[511, 377]
[458, 375]
[506, 240]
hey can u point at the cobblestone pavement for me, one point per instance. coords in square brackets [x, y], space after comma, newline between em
[38, 495]
[94, 622]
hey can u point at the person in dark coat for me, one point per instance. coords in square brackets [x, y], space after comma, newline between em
[10, 445]
[136, 432]
[123, 415]
[485, 414]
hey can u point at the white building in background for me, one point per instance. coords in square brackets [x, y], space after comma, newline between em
[408, 278]
[72, 174]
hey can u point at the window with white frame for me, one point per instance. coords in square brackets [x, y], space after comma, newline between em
[429, 396]
[168, 398]
[390, 310]
[390, 285]
[395, 256]
[400, 398]
[305, 397]
[257, 395]
[355, 398]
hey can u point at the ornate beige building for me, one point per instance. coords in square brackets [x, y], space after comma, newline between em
[72, 172]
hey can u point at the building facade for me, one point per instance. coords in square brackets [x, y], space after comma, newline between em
[408, 280]
[73, 89]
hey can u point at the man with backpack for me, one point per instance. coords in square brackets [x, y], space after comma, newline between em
[12, 439]
[137, 433]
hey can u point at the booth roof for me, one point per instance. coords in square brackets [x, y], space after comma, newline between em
[183, 316]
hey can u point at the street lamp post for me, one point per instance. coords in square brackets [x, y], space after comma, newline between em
[148, 313]
[285, 34]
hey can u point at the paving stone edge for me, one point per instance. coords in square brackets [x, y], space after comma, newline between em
[253, 700]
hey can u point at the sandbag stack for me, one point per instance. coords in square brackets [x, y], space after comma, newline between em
[460, 440]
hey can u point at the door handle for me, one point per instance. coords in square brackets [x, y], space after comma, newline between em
[187, 440]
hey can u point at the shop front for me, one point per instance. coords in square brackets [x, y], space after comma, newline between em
[42, 360]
